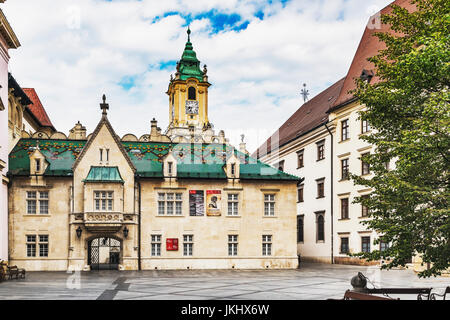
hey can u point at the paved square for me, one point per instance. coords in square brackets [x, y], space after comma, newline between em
[312, 281]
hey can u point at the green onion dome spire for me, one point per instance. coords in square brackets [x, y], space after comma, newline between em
[189, 65]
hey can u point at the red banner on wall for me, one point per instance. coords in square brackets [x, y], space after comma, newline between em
[172, 244]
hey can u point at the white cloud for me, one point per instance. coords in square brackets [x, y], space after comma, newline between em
[74, 51]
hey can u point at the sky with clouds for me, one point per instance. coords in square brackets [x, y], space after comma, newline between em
[258, 53]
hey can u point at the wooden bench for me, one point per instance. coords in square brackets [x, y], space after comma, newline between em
[447, 290]
[421, 292]
[353, 295]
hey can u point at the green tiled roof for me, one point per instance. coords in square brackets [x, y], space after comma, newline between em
[193, 160]
[103, 174]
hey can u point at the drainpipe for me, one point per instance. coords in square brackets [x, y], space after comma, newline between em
[139, 225]
[331, 207]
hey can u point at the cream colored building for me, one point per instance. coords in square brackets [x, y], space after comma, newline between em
[181, 200]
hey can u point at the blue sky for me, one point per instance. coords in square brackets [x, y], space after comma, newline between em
[259, 53]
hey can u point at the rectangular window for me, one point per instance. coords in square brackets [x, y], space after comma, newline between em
[300, 159]
[38, 165]
[266, 245]
[344, 169]
[365, 127]
[384, 245]
[321, 150]
[156, 245]
[233, 203]
[364, 209]
[344, 245]
[101, 154]
[320, 188]
[365, 244]
[365, 167]
[269, 204]
[300, 193]
[31, 202]
[170, 168]
[103, 200]
[188, 244]
[31, 246]
[170, 204]
[233, 169]
[344, 208]
[344, 130]
[107, 154]
[43, 245]
[43, 202]
[300, 231]
[232, 245]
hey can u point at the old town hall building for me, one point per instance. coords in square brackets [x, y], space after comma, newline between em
[183, 199]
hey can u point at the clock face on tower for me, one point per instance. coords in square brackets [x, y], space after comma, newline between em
[191, 107]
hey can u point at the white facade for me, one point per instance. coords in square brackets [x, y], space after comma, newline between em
[349, 149]
[314, 171]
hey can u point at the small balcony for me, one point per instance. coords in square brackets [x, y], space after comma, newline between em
[103, 221]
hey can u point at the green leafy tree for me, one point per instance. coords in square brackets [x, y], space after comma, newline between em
[408, 108]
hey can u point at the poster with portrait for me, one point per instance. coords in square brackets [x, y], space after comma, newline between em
[213, 201]
[196, 203]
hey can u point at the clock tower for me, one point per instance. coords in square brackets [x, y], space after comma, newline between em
[188, 99]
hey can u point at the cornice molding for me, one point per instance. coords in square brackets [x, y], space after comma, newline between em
[7, 32]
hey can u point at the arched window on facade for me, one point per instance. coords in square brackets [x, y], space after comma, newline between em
[191, 93]
[320, 227]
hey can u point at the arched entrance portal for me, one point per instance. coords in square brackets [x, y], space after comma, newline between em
[104, 253]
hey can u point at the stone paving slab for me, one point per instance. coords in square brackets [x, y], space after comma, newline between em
[311, 282]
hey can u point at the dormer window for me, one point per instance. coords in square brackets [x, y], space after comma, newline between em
[38, 165]
[366, 75]
[170, 168]
[191, 93]
[233, 169]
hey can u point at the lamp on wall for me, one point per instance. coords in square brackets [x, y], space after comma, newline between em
[79, 231]
[125, 232]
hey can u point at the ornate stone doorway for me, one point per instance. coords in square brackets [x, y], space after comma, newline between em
[104, 253]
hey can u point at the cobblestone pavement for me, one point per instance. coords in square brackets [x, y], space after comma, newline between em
[312, 281]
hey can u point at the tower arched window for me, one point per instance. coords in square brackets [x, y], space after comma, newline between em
[191, 93]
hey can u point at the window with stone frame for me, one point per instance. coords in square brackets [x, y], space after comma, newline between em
[344, 245]
[320, 188]
[232, 245]
[365, 126]
[344, 208]
[43, 245]
[188, 244]
[365, 167]
[345, 169]
[384, 245]
[300, 159]
[321, 150]
[37, 205]
[365, 244]
[364, 209]
[170, 203]
[300, 193]
[233, 204]
[269, 204]
[267, 245]
[320, 227]
[156, 245]
[103, 200]
[345, 130]
[31, 245]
